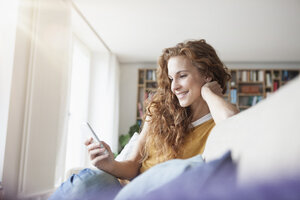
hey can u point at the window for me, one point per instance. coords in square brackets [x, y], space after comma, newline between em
[76, 155]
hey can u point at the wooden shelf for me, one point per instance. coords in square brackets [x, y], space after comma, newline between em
[240, 78]
[242, 106]
[147, 86]
[151, 89]
[150, 81]
[250, 82]
[245, 94]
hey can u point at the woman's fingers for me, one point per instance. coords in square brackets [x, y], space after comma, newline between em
[96, 152]
[106, 146]
[97, 159]
[100, 154]
[93, 146]
[88, 141]
[215, 87]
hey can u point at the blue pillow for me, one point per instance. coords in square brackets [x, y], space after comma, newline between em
[157, 176]
[217, 180]
[207, 181]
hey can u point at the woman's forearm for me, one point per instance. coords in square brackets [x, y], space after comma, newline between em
[219, 108]
[128, 169]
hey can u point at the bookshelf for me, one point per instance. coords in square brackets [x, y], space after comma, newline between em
[249, 86]
[246, 88]
[147, 85]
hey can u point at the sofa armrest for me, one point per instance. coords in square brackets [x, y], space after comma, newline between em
[264, 140]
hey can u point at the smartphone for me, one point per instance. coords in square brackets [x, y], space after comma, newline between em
[94, 134]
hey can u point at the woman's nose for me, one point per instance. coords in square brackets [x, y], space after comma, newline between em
[175, 86]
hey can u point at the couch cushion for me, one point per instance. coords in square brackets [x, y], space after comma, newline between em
[265, 139]
[157, 176]
[127, 150]
[214, 178]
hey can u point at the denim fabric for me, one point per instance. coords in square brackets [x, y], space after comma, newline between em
[88, 184]
[157, 176]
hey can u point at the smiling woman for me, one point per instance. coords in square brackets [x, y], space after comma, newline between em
[178, 121]
[191, 81]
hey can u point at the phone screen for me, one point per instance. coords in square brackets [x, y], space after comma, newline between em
[93, 132]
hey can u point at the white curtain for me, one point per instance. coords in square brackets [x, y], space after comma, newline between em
[78, 106]
[104, 98]
[94, 97]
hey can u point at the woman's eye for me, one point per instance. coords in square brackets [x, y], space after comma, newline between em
[182, 76]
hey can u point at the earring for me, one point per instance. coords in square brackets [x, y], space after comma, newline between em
[208, 79]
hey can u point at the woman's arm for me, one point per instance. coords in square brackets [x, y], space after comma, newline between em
[219, 108]
[105, 161]
[130, 168]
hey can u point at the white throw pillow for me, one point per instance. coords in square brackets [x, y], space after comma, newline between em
[128, 148]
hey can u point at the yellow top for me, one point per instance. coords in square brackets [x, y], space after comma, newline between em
[194, 144]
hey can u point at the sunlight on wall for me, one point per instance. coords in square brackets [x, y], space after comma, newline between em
[8, 21]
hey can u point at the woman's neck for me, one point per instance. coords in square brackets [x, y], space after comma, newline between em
[199, 111]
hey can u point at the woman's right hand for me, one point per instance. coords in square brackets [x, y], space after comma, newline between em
[101, 157]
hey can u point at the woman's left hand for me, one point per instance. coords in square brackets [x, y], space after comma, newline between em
[211, 87]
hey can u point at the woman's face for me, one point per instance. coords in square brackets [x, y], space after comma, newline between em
[186, 81]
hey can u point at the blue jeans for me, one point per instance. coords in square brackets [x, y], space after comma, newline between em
[88, 184]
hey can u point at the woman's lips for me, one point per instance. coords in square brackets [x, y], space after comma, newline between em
[181, 94]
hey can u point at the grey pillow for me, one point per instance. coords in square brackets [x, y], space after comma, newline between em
[158, 176]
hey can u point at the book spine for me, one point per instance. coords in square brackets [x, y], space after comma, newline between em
[140, 109]
[261, 76]
[268, 78]
[233, 96]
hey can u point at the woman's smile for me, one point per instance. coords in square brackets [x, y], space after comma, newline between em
[186, 81]
[181, 95]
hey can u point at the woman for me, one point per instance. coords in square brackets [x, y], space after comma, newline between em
[180, 116]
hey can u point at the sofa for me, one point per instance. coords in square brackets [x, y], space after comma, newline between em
[252, 155]
[264, 140]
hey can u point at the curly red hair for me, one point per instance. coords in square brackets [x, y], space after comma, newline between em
[170, 122]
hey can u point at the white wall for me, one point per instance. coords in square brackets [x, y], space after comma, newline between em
[37, 109]
[129, 80]
[277, 65]
[8, 20]
[128, 94]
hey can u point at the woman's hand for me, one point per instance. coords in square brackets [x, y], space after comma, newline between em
[211, 88]
[101, 157]
[219, 108]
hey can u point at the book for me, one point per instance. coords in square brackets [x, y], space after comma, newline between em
[154, 75]
[233, 94]
[261, 76]
[254, 76]
[259, 98]
[244, 76]
[275, 86]
[268, 78]
[140, 107]
[254, 101]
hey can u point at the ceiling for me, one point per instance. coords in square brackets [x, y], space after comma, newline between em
[240, 30]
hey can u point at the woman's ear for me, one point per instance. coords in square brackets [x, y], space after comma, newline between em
[208, 79]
